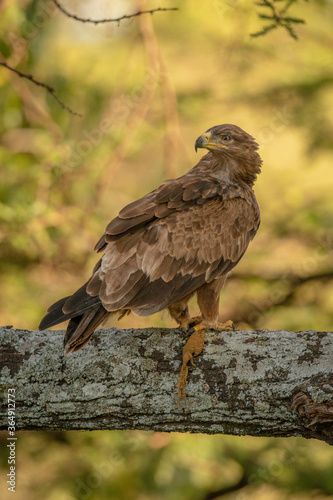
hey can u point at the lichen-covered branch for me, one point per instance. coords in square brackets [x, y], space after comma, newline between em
[262, 383]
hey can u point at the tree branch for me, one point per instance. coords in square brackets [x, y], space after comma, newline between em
[41, 84]
[259, 383]
[244, 481]
[277, 17]
[114, 19]
[251, 313]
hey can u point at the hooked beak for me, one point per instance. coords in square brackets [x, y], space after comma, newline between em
[204, 141]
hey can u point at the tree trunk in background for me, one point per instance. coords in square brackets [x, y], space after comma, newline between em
[261, 383]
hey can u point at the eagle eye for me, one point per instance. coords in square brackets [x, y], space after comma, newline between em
[225, 137]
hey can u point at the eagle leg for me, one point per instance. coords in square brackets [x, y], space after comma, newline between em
[180, 313]
[194, 346]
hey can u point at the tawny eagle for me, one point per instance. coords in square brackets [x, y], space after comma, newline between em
[181, 239]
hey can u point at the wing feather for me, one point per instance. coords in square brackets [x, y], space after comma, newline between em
[169, 243]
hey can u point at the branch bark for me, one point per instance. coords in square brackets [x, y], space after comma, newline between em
[261, 383]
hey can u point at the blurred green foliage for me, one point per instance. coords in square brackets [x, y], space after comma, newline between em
[138, 465]
[147, 89]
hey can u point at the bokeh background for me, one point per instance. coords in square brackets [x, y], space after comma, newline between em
[146, 89]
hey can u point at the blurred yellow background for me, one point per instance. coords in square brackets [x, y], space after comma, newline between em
[147, 89]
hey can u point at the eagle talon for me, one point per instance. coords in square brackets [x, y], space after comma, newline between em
[227, 326]
[194, 321]
[190, 323]
[194, 346]
[221, 327]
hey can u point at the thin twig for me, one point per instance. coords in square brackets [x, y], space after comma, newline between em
[290, 277]
[211, 495]
[113, 19]
[277, 18]
[41, 84]
[294, 282]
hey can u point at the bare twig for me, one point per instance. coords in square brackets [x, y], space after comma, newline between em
[41, 84]
[290, 277]
[277, 18]
[244, 481]
[113, 19]
[296, 281]
[253, 312]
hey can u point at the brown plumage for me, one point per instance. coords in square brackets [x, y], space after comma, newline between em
[182, 238]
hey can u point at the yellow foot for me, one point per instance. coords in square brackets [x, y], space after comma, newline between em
[196, 320]
[227, 326]
[190, 323]
[194, 347]
[206, 325]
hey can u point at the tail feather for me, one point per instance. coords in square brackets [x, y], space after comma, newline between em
[56, 315]
[80, 328]
[85, 313]
[58, 304]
